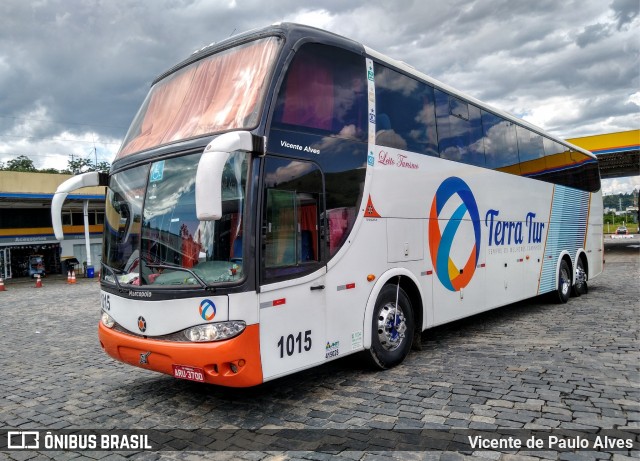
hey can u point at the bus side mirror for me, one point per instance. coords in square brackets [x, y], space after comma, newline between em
[209, 185]
[93, 178]
[211, 167]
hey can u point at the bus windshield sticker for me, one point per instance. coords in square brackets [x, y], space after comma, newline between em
[157, 171]
[371, 89]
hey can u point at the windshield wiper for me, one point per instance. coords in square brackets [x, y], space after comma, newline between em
[172, 267]
[113, 271]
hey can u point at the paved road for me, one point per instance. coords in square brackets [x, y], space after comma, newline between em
[532, 365]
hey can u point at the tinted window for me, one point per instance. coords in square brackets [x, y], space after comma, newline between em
[500, 145]
[77, 219]
[458, 108]
[291, 229]
[530, 146]
[324, 92]
[405, 112]
[28, 217]
[459, 130]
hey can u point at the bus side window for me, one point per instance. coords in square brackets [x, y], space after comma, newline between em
[500, 143]
[405, 112]
[460, 136]
[293, 204]
[324, 93]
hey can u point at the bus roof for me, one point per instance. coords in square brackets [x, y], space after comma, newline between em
[293, 33]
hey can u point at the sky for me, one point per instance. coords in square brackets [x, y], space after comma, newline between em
[73, 73]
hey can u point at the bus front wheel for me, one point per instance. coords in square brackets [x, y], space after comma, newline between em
[392, 328]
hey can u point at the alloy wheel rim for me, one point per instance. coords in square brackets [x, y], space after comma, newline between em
[392, 327]
[564, 282]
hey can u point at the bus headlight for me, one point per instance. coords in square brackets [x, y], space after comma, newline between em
[215, 331]
[107, 320]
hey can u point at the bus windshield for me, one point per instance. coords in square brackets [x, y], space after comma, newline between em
[163, 243]
[221, 92]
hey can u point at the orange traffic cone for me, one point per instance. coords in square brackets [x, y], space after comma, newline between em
[38, 281]
[73, 277]
[68, 276]
[2, 288]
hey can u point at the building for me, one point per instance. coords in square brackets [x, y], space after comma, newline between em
[26, 229]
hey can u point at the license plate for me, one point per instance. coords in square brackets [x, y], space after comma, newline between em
[190, 373]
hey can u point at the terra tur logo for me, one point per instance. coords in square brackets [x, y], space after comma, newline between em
[207, 310]
[452, 277]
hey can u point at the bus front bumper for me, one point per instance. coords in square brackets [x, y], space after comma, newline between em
[233, 362]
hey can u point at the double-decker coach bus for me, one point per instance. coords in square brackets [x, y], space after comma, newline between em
[288, 196]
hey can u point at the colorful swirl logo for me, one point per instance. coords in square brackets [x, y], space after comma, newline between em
[207, 309]
[452, 277]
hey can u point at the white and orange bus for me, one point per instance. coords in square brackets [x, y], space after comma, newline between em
[289, 196]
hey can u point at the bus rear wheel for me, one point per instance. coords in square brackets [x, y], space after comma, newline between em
[564, 282]
[580, 287]
[392, 328]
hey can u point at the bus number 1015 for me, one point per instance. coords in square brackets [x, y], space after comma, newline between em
[291, 343]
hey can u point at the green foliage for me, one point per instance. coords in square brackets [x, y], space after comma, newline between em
[75, 166]
[103, 167]
[614, 201]
[83, 165]
[620, 202]
[21, 163]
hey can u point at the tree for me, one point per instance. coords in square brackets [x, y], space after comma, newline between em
[21, 163]
[79, 165]
[103, 167]
[83, 165]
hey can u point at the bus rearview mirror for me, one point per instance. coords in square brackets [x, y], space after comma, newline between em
[211, 168]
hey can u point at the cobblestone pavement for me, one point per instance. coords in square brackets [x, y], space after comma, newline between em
[532, 365]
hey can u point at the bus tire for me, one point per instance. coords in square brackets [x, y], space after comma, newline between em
[391, 335]
[564, 282]
[580, 285]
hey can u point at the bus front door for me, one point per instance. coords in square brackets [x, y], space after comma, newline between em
[292, 295]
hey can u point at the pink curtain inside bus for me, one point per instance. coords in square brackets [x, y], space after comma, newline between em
[218, 93]
[309, 79]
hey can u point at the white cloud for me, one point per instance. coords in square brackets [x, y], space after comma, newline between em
[620, 185]
[569, 67]
[320, 18]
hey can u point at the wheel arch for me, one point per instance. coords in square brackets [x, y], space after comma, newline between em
[565, 256]
[411, 286]
[581, 254]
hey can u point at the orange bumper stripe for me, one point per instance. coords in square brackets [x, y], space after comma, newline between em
[234, 362]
